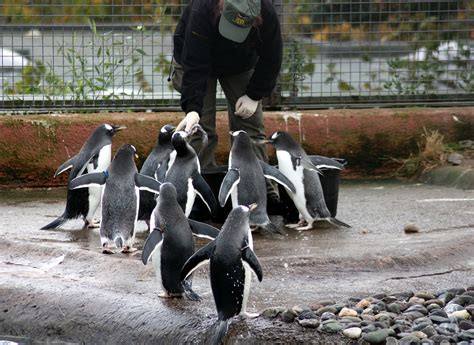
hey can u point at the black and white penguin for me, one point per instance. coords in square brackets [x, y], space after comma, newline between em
[120, 198]
[231, 260]
[245, 180]
[308, 198]
[171, 244]
[184, 172]
[94, 155]
[161, 152]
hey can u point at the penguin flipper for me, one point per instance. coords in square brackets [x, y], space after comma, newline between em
[325, 162]
[205, 193]
[65, 166]
[151, 244]
[147, 183]
[249, 257]
[55, 223]
[231, 179]
[306, 163]
[160, 172]
[188, 291]
[87, 180]
[203, 230]
[201, 257]
[273, 173]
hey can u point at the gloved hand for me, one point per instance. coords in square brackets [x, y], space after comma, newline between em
[245, 107]
[188, 122]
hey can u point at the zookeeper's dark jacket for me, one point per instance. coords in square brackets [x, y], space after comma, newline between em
[202, 51]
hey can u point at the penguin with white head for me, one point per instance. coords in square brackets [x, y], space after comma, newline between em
[94, 155]
[297, 166]
[120, 199]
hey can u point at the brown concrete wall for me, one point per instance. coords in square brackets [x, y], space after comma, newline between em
[33, 146]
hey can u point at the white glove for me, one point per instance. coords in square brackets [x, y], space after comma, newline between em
[188, 122]
[245, 107]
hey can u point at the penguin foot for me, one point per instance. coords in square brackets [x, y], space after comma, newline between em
[94, 223]
[165, 294]
[250, 315]
[307, 227]
[128, 250]
[301, 223]
[107, 251]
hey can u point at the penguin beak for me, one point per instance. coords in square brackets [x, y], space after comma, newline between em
[137, 156]
[118, 128]
[266, 141]
[253, 206]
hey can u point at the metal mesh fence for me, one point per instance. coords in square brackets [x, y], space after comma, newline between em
[110, 54]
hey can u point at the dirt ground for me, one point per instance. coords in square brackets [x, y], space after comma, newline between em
[57, 286]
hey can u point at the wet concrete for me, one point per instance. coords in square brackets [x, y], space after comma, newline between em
[56, 285]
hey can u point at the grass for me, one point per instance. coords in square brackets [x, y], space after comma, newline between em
[433, 152]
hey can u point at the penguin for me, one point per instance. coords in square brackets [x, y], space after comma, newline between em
[232, 260]
[170, 244]
[94, 155]
[161, 152]
[297, 166]
[184, 172]
[245, 181]
[120, 198]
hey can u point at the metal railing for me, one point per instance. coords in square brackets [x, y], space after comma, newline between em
[106, 54]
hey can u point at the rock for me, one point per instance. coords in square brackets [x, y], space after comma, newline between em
[462, 300]
[419, 335]
[352, 333]
[429, 331]
[409, 340]
[412, 315]
[368, 317]
[446, 297]
[420, 326]
[465, 325]
[427, 342]
[384, 318]
[439, 319]
[347, 312]
[423, 320]
[369, 328]
[452, 307]
[377, 337]
[416, 300]
[457, 291]
[433, 306]
[328, 316]
[330, 327]
[418, 308]
[470, 309]
[350, 319]
[309, 323]
[325, 309]
[411, 229]
[467, 335]
[401, 328]
[298, 309]
[394, 308]
[379, 296]
[307, 314]
[439, 312]
[455, 158]
[368, 311]
[327, 302]
[425, 295]
[448, 329]
[434, 301]
[363, 303]
[461, 314]
[389, 299]
[404, 295]
[439, 338]
[466, 144]
[271, 313]
[391, 341]
[287, 316]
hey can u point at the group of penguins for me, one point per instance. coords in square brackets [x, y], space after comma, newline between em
[163, 194]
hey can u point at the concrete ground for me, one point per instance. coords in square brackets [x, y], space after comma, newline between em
[57, 286]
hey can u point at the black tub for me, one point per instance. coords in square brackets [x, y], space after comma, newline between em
[329, 180]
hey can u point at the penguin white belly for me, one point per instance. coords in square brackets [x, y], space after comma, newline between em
[296, 177]
[95, 192]
[152, 219]
[191, 195]
[137, 206]
[156, 262]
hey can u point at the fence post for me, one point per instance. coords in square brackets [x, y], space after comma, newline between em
[274, 100]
